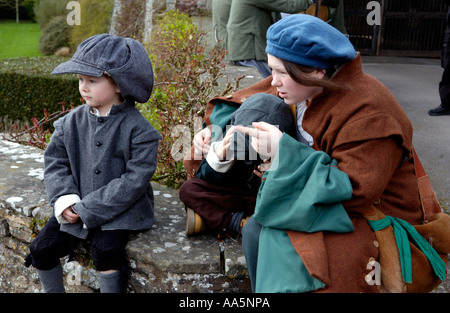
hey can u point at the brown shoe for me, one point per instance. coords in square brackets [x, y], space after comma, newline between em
[194, 223]
[244, 221]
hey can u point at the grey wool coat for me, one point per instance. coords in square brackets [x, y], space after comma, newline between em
[108, 162]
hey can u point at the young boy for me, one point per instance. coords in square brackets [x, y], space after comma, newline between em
[224, 190]
[99, 162]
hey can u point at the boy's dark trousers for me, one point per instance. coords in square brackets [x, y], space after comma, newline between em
[51, 244]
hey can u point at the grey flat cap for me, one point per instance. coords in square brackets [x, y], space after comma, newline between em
[124, 59]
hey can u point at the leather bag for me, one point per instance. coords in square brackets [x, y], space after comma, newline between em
[435, 229]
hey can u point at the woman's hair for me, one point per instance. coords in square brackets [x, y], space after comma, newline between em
[299, 73]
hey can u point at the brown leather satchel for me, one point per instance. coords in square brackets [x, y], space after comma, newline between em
[435, 228]
[318, 10]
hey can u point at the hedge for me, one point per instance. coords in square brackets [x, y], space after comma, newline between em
[27, 87]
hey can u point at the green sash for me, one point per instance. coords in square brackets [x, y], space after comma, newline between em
[403, 231]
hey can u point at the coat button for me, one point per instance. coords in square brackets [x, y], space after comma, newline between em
[100, 120]
[98, 143]
[97, 172]
[376, 244]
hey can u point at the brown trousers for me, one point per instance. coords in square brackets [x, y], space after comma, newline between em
[215, 204]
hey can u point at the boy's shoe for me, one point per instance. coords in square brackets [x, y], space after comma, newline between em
[244, 221]
[194, 223]
[440, 110]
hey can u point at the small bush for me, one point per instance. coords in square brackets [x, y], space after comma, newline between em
[55, 34]
[45, 10]
[186, 77]
[27, 88]
[29, 8]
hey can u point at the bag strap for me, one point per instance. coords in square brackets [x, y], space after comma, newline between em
[420, 172]
[429, 202]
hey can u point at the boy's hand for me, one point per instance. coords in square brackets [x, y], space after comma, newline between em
[202, 141]
[70, 216]
[224, 144]
[262, 168]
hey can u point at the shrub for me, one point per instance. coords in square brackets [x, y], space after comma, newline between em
[27, 88]
[29, 8]
[45, 10]
[39, 133]
[186, 77]
[55, 34]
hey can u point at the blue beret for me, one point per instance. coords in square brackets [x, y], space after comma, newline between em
[307, 40]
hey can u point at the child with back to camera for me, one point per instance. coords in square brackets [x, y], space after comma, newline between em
[99, 163]
[221, 196]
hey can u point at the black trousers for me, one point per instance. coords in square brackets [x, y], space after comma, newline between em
[51, 244]
[444, 85]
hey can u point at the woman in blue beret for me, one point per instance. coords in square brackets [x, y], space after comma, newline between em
[351, 158]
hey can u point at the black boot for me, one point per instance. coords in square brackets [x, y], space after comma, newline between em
[440, 110]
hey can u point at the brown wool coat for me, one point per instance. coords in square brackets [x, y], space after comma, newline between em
[368, 133]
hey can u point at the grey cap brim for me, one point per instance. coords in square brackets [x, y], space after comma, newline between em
[74, 67]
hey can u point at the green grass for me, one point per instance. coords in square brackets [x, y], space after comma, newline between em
[19, 40]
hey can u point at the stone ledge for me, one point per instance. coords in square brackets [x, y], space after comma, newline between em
[161, 259]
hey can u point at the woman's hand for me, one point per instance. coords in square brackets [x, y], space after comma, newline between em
[202, 142]
[70, 216]
[265, 138]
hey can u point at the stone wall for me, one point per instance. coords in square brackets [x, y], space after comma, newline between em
[162, 259]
